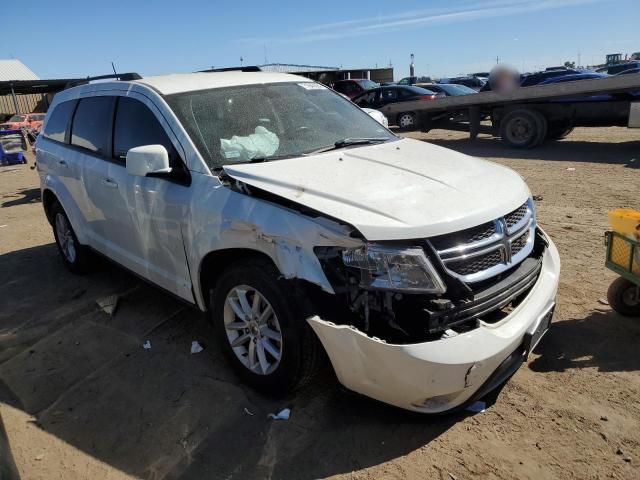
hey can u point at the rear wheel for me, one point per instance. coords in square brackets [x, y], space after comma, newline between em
[624, 297]
[407, 121]
[523, 128]
[263, 330]
[76, 257]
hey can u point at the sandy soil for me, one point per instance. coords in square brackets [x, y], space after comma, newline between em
[80, 398]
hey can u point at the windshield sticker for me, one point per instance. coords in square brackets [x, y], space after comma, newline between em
[311, 86]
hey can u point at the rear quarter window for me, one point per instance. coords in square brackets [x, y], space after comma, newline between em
[59, 121]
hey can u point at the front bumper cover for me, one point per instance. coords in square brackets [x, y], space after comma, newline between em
[441, 375]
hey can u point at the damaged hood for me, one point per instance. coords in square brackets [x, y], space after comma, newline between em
[392, 191]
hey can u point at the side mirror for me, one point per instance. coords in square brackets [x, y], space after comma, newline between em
[148, 160]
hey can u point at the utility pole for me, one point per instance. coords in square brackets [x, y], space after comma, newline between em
[412, 67]
[497, 59]
[578, 60]
[241, 60]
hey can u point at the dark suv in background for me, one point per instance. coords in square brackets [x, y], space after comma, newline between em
[354, 87]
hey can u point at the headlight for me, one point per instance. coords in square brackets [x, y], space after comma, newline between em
[399, 269]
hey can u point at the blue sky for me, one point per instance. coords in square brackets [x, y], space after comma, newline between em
[76, 38]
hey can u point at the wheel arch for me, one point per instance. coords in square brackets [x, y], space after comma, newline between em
[48, 200]
[215, 262]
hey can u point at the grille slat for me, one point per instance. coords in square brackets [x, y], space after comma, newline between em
[480, 252]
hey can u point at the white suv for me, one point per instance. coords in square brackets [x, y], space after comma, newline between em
[290, 215]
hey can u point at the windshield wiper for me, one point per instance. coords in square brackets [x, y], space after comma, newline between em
[348, 142]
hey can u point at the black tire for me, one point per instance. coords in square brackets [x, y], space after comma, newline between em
[558, 133]
[81, 260]
[407, 121]
[300, 348]
[622, 297]
[523, 128]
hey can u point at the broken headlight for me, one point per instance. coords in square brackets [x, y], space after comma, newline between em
[398, 269]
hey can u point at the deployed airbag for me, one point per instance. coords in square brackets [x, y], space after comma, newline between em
[262, 143]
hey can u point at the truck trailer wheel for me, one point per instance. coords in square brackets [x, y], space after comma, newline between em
[523, 128]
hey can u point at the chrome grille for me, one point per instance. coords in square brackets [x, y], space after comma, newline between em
[481, 252]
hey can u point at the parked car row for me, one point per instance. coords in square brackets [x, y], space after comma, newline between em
[30, 121]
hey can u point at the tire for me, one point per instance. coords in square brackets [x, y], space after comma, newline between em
[407, 121]
[622, 297]
[558, 133]
[523, 128]
[298, 348]
[76, 257]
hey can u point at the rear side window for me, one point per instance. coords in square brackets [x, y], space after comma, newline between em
[135, 126]
[92, 124]
[59, 120]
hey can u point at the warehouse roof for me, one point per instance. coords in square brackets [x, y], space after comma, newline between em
[13, 69]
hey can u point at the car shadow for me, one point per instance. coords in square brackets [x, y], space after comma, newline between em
[603, 339]
[622, 153]
[164, 412]
[29, 195]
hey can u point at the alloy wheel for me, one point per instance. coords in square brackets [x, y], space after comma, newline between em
[65, 238]
[253, 330]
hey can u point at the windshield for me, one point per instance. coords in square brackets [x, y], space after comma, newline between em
[251, 122]
[17, 118]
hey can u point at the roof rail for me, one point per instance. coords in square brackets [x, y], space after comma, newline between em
[248, 68]
[118, 76]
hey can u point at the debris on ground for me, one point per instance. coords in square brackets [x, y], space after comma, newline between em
[108, 304]
[40, 457]
[477, 407]
[248, 412]
[147, 345]
[196, 347]
[603, 301]
[571, 169]
[283, 414]
[538, 198]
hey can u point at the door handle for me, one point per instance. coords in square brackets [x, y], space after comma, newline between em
[107, 182]
[62, 163]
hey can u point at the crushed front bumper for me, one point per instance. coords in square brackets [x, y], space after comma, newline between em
[436, 376]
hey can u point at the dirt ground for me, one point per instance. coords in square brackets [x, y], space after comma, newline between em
[80, 398]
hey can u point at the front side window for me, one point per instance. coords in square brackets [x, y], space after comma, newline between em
[270, 121]
[17, 118]
[389, 95]
[91, 127]
[135, 126]
[59, 121]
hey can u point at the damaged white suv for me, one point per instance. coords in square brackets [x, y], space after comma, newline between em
[290, 215]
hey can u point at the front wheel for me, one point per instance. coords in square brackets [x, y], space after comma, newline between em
[262, 328]
[624, 297]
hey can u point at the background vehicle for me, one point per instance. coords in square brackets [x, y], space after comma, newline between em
[448, 89]
[630, 71]
[379, 97]
[619, 68]
[354, 87]
[537, 78]
[472, 82]
[414, 80]
[525, 117]
[29, 121]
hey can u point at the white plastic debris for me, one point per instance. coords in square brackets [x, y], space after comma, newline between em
[108, 304]
[283, 414]
[571, 169]
[248, 412]
[147, 345]
[477, 407]
[196, 347]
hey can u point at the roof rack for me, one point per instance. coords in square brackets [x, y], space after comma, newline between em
[248, 68]
[118, 76]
